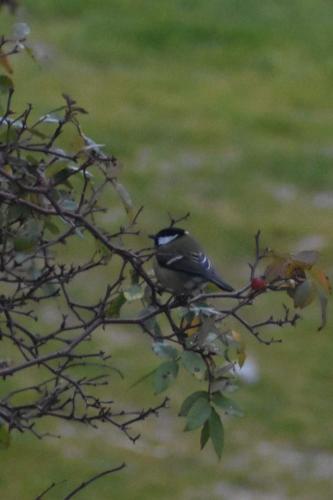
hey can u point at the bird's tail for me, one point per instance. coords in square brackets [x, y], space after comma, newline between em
[221, 284]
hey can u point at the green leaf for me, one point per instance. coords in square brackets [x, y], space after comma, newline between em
[194, 363]
[227, 404]
[69, 204]
[6, 84]
[190, 400]
[61, 177]
[216, 432]
[52, 227]
[134, 292]
[205, 434]
[113, 311]
[143, 378]
[165, 374]
[102, 249]
[164, 350]
[153, 326]
[4, 436]
[151, 323]
[9, 135]
[135, 277]
[198, 414]
[28, 237]
[18, 212]
[54, 169]
[24, 244]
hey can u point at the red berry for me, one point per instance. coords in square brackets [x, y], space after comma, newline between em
[258, 283]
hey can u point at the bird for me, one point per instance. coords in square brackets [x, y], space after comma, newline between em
[180, 264]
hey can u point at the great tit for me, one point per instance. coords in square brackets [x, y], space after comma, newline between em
[180, 264]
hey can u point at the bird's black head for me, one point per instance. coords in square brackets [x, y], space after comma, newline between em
[167, 235]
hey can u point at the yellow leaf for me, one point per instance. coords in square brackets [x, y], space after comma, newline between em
[321, 279]
[277, 268]
[8, 169]
[240, 351]
[241, 357]
[4, 61]
[236, 336]
[191, 327]
[287, 266]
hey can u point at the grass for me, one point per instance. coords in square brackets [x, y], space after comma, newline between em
[213, 107]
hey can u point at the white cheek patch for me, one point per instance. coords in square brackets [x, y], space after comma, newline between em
[164, 240]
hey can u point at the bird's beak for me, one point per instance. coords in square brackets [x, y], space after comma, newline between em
[151, 236]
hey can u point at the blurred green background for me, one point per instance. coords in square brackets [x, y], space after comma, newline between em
[224, 109]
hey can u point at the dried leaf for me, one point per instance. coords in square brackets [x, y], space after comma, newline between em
[241, 357]
[285, 266]
[306, 258]
[321, 279]
[276, 269]
[304, 294]
[191, 325]
[323, 309]
[125, 198]
[5, 63]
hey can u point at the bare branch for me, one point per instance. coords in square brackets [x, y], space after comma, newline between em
[94, 478]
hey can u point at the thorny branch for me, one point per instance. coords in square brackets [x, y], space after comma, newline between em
[50, 198]
[65, 271]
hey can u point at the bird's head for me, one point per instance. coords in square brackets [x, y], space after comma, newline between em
[166, 236]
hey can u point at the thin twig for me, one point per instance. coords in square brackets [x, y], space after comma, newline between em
[92, 479]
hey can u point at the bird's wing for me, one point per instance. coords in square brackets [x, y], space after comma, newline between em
[196, 263]
[193, 263]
